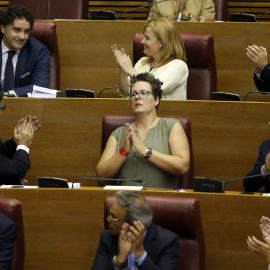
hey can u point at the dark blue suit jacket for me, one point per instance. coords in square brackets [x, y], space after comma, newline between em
[263, 84]
[8, 230]
[161, 245]
[13, 164]
[254, 184]
[33, 67]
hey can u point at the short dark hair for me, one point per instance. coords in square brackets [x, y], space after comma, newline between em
[138, 208]
[148, 77]
[12, 13]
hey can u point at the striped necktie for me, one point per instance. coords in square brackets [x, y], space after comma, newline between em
[9, 83]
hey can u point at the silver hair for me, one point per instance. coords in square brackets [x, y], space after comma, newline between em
[138, 208]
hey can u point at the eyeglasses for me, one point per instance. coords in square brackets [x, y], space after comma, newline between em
[3, 107]
[141, 94]
[114, 219]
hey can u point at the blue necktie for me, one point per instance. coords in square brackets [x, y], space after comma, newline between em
[9, 83]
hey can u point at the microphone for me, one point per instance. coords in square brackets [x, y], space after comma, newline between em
[246, 177]
[263, 15]
[202, 184]
[126, 11]
[107, 179]
[258, 92]
[111, 88]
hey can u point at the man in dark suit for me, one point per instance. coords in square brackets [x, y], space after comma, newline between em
[29, 58]
[258, 55]
[14, 153]
[8, 230]
[132, 240]
[262, 166]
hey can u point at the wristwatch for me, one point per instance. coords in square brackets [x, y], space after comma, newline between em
[116, 263]
[148, 153]
[186, 17]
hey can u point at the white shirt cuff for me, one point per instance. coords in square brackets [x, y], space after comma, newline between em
[258, 75]
[23, 147]
[11, 92]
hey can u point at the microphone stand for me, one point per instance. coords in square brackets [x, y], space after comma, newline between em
[139, 8]
[246, 177]
[263, 15]
[110, 88]
[261, 92]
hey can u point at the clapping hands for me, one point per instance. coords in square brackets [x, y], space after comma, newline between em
[259, 247]
[122, 60]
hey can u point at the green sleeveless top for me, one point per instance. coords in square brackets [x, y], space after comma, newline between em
[136, 166]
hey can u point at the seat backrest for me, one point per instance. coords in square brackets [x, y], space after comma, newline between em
[201, 61]
[45, 32]
[55, 9]
[13, 209]
[221, 8]
[112, 122]
[183, 217]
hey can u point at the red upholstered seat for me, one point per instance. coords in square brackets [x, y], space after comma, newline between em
[221, 7]
[111, 122]
[201, 61]
[13, 209]
[45, 32]
[55, 9]
[182, 216]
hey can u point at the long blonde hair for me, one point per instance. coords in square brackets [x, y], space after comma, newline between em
[170, 37]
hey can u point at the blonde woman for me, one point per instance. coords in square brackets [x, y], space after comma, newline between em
[165, 59]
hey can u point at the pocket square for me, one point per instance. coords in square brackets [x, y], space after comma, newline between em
[24, 75]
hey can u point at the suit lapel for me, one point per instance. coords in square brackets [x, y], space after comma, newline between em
[150, 238]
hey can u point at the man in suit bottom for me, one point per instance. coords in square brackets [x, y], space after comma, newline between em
[132, 240]
[8, 230]
[14, 153]
[261, 166]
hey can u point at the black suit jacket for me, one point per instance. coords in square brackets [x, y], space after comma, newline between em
[33, 67]
[8, 230]
[254, 184]
[263, 84]
[161, 245]
[13, 164]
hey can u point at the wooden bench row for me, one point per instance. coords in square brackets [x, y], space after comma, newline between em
[254, 7]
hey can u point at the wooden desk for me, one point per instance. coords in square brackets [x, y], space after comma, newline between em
[62, 227]
[87, 63]
[226, 135]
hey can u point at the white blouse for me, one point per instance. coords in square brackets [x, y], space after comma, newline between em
[173, 75]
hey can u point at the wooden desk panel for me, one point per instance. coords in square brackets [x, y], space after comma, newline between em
[226, 135]
[86, 60]
[62, 227]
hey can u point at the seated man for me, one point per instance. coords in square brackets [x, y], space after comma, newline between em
[262, 166]
[183, 10]
[8, 230]
[25, 55]
[258, 56]
[14, 153]
[132, 240]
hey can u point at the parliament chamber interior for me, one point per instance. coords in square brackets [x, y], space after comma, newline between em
[62, 226]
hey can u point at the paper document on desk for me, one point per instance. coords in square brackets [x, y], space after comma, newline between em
[17, 186]
[42, 92]
[124, 187]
